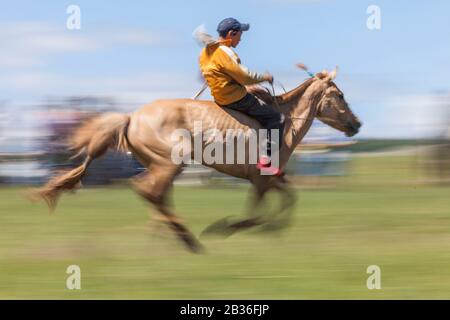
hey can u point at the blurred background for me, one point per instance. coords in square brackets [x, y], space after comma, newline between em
[379, 198]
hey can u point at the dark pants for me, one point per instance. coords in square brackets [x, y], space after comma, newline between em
[265, 114]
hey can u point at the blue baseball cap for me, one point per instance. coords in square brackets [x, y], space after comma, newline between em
[231, 24]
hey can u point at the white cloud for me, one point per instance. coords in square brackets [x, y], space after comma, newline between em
[407, 116]
[292, 1]
[417, 115]
[31, 44]
[138, 88]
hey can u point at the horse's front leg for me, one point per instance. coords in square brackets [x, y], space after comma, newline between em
[229, 225]
[267, 221]
[281, 218]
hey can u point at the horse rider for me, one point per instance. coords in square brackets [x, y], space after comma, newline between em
[227, 78]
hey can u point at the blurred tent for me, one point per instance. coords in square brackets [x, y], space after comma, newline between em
[321, 153]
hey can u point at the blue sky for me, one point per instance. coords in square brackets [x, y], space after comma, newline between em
[138, 51]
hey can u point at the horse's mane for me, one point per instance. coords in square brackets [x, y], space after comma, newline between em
[264, 94]
[294, 93]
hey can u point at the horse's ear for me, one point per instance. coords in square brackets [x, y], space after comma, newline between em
[333, 74]
[322, 75]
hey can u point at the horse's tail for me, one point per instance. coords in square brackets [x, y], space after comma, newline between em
[93, 139]
[100, 133]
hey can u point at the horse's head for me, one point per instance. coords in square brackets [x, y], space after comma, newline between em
[333, 110]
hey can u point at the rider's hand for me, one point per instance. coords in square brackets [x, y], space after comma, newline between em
[268, 77]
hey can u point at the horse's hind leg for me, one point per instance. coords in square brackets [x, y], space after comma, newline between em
[155, 187]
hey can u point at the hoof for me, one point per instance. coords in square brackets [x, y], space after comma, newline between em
[219, 228]
[273, 227]
[195, 247]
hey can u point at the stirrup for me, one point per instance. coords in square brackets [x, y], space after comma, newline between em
[266, 168]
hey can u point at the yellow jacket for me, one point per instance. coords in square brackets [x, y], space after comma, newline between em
[222, 70]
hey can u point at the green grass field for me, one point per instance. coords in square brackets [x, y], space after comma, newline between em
[379, 215]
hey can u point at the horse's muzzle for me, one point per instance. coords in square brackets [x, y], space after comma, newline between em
[352, 129]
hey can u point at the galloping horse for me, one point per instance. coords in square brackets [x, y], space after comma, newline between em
[147, 134]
